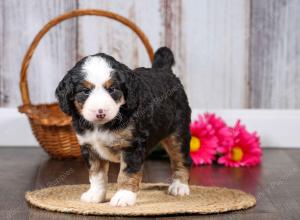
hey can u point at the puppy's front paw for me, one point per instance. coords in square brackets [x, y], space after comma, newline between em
[123, 198]
[93, 196]
[178, 188]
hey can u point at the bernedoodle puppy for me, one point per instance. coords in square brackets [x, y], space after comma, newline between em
[120, 114]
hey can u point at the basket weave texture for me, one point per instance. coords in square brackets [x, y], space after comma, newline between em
[152, 200]
[51, 127]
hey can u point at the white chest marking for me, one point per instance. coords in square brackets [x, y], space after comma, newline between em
[100, 141]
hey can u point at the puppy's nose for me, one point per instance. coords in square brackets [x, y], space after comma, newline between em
[100, 114]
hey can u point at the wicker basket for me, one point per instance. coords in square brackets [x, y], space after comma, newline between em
[49, 124]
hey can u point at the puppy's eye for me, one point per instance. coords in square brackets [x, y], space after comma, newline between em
[86, 91]
[111, 89]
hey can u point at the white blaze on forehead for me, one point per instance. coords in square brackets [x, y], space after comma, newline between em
[97, 70]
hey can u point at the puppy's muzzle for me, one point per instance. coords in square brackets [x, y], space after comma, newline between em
[100, 114]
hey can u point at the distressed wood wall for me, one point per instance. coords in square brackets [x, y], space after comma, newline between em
[275, 54]
[229, 53]
[20, 21]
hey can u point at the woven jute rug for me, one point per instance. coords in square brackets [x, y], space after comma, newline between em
[152, 200]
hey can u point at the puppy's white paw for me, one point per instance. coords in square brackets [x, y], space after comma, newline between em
[123, 198]
[178, 188]
[93, 196]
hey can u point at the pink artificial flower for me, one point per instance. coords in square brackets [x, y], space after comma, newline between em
[222, 131]
[245, 150]
[203, 143]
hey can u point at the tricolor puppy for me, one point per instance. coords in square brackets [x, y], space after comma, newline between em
[120, 114]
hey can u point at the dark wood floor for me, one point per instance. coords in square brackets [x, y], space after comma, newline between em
[276, 184]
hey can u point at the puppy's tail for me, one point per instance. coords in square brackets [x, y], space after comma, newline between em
[163, 58]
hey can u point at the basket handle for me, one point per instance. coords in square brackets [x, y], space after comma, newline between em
[75, 13]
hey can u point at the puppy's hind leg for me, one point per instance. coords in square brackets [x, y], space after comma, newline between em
[180, 176]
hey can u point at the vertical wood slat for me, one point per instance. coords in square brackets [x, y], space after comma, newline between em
[3, 79]
[21, 21]
[102, 35]
[217, 41]
[275, 54]
[173, 36]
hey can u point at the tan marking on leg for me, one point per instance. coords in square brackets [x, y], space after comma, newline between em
[98, 178]
[96, 163]
[129, 181]
[172, 146]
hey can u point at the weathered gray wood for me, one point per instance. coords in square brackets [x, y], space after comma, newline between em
[214, 46]
[3, 83]
[218, 64]
[275, 54]
[217, 52]
[173, 34]
[108, 36]
[20, 21]
[160, 20]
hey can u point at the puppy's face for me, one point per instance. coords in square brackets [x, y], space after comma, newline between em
[93, 89]
[98, 97]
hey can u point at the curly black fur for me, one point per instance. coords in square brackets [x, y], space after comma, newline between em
[85, 154]
[163, 58]
[156, 105]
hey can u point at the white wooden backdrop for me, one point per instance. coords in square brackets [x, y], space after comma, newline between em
[229, 53]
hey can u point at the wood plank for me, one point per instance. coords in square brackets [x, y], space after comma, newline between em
[275, 54]
[30, 168]
[278, 180]
[217, 38]
[3, 81]
[173, 34]
[103, 35]
[17, 173]
[56, 53]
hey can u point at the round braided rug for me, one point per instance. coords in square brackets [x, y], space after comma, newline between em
[152, 200]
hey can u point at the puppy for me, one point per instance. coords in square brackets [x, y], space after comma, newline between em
[120, 114]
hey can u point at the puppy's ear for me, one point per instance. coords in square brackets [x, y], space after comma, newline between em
[65, 93]
[129, 86]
